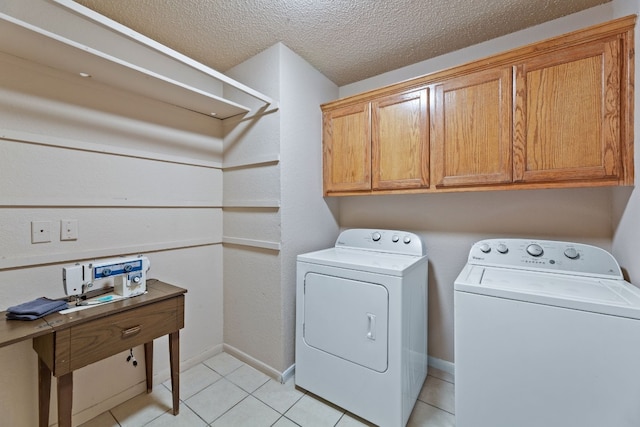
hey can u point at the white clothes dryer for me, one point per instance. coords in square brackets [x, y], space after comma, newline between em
[361, 323]
[546, 334]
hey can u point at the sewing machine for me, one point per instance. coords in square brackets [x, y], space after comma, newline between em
[127, 276]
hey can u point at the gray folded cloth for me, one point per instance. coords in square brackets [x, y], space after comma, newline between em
[35, 309]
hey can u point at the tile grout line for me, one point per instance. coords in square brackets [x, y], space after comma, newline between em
[440, 409]
[281, 415]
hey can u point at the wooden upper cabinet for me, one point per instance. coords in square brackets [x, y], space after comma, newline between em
[382, 144]
[471, 140]
[568, 115]
[347, 148]
[553, 114]
[400, 141]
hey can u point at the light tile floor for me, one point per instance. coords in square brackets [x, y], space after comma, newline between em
[223, 391]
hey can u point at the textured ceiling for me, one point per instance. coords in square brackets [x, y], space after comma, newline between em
[347, 40]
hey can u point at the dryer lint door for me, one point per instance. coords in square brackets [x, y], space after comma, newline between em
[347, 318]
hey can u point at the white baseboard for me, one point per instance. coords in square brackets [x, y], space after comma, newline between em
[443, 365]
[288, 373]
[163, 375]
[282, 377]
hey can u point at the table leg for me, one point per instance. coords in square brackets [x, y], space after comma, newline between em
[148, 363]
[174, 362]
[65, 399]
[44, 393]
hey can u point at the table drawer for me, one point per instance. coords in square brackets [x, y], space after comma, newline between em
[101, 338]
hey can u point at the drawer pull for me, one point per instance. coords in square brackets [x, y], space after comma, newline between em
[131, 331]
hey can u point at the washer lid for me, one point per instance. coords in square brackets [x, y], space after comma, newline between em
[363, 260]
[614, 297]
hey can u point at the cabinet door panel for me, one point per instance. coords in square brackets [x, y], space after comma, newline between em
[472, 129]
[567, 121]
[400, 138]
[347, 149]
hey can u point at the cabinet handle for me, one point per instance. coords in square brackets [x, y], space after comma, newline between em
[131, 331]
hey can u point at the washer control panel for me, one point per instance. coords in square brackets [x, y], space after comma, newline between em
[553, 256]
[402, 242]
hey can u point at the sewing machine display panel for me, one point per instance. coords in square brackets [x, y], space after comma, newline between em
[107, 269]
[127, 276]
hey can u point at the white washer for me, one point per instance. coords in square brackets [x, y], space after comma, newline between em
[361, 323]
[546, 334]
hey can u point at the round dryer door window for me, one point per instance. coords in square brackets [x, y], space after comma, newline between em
[347, 318]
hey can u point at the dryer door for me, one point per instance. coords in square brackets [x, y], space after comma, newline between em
[347, 318]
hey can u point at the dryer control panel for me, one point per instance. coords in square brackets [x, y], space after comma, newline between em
[545, 255]
[402, 242]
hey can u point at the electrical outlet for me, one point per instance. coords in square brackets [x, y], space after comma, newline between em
[40, 231]
[69, 229]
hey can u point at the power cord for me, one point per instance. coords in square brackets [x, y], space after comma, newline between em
[131, 358]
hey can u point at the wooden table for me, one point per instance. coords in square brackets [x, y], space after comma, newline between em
[66, 342]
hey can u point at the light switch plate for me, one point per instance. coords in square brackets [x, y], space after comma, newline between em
[69, 229]
[40, 231]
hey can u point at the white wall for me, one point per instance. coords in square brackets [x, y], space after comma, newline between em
[70, 149]
[252, 294]
[310, 222]
[451, 223]
[140, 177]
[626, 226]
[281, 209]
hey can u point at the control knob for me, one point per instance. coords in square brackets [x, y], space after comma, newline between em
[571, 253]
[407, 239]
[534, 250]
[502, 248]
[395, 238]
[376, 236]
[485, 248]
